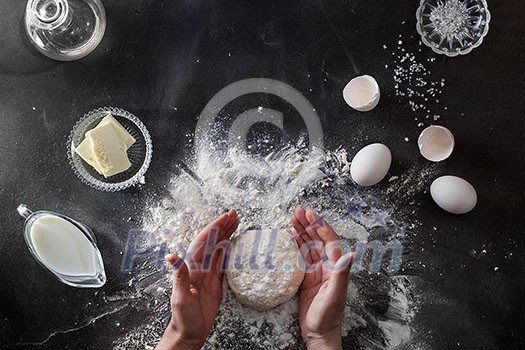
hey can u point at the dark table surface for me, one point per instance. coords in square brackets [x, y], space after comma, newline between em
[164, 60]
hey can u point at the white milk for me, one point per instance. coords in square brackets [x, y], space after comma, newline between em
[62, 247]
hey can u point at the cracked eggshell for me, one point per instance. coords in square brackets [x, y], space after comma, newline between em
[370, 165]
[453, 194]
[362, 93]
[436, 143]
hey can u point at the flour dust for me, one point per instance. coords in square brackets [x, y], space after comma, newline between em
[265, 190]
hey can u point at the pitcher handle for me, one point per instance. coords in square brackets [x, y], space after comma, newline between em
[24, 211]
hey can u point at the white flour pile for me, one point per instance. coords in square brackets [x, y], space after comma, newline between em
[265, 191]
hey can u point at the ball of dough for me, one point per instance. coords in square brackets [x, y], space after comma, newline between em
[266, 268]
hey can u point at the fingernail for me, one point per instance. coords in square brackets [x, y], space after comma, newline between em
[343, 262]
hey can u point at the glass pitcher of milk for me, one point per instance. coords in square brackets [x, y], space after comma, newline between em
[64, 247]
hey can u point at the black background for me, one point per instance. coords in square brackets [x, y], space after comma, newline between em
[164, 60]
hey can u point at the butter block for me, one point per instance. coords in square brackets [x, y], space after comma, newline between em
[123, 134]
[108, 149]
[84, 150]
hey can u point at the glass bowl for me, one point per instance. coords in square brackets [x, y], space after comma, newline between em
[139, 153]
[452, 27]
[65, 30]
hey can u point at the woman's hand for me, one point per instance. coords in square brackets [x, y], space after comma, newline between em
[323, 292]
[197, 285]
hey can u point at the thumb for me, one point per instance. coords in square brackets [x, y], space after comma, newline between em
[341, 274]
[181, 275]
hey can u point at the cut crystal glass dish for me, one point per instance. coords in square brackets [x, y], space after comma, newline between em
[452, 27]
[139, 153]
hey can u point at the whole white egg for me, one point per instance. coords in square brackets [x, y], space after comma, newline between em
[370, 165]
[452, 193]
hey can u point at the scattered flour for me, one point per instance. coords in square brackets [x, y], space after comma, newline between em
[414, 180]
[264, 191]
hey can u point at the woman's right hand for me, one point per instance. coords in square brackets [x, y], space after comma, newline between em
[323, 291]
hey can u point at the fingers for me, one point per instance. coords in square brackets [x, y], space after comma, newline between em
[325, 232]
[222, 247]
[310, 244]
[232, 225]
[301, 237]
[224, 226]
[314, 222]
[221, 257]
[219, 229]
[197, 245]
[216, 225]
[333, 251]
[298, 226]
[208, 249]
[307, 221]
[309, 226]
[321, 230]
[181, 276]
[340, 275]
[344, 263]
[300, 215]
[301, 224]
[305, 253]
[311, 252]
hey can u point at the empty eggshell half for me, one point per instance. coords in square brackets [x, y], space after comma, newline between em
[436, 143]
[362, 93]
